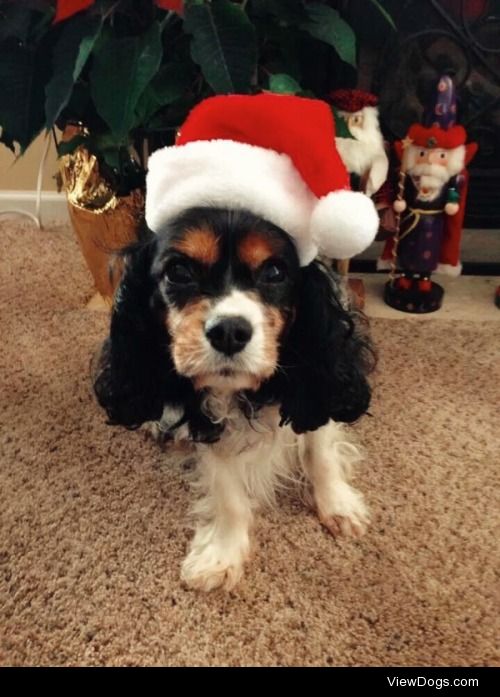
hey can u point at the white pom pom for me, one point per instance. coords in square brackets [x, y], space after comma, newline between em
[344, 223]
[399, 205]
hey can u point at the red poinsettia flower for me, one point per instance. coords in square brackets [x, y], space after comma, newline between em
[172, 5]
[68, 8]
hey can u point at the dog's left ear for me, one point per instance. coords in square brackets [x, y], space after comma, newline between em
[130, 378]
[325, 358]
[134, 375]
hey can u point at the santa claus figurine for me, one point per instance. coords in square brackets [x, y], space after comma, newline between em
[431, 203]
[360, 142]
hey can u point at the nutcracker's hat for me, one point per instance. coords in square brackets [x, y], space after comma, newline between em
[442, 110]
[438, 128]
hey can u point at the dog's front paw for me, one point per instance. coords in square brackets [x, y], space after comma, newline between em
[214, 565]
[346, 512]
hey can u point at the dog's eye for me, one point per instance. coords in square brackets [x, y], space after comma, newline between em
[273, 272]
[179, 272]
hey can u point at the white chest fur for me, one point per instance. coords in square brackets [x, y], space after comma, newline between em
[252, 460]
[257, 450]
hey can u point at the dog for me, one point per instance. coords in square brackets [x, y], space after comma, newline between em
[221, 338]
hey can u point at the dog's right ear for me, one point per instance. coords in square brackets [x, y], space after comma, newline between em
[134, 366]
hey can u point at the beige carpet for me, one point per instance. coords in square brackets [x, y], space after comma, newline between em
[93, 525]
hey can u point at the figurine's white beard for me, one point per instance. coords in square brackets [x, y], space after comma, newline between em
[438, 173]
[364, 153]
[429, 180]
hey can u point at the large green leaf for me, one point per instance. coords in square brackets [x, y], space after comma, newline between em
[170, 82]
[121, 70]
[70, 56]
[168, 120]
[22, 82]
[224, 44]
[327, 25]
[146, 108]
[167, 86]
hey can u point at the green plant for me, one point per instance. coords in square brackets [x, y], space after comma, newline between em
[129, 71]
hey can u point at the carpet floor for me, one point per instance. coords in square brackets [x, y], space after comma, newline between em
[93, 520]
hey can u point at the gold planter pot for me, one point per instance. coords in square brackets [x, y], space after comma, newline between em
[104, 222]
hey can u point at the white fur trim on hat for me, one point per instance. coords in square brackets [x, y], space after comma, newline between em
[225, 173]
[228, 174]
[344, 223]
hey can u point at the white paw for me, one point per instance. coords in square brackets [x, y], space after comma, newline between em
[345, 513]
[214, 565]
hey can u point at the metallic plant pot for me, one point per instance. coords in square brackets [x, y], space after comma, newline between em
[104, 222]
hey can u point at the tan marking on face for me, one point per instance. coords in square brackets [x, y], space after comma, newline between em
[273, 326]
[254, 249]
[274, 322]
[186, 327]
[201, 244]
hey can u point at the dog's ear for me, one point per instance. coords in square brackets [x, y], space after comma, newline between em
[324, 358]
[131, 375]
[134, 375]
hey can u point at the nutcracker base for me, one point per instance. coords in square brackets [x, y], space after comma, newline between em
[413, 300]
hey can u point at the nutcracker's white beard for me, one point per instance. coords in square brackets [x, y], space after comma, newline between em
[429, 180]
[433, 177]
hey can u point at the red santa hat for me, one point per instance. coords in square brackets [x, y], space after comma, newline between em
[274, 155]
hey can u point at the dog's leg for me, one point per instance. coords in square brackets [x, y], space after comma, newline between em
[327, 460]
[221, 542]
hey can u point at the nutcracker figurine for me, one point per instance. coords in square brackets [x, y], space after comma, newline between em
[430, 205]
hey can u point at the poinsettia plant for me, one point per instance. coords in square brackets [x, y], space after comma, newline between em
[129, 71]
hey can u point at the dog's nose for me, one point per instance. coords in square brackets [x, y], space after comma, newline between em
[230, 335]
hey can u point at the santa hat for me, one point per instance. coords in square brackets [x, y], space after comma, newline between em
[352, 100]
[273, 155]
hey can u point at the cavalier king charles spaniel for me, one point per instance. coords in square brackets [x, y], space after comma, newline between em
[221, 338]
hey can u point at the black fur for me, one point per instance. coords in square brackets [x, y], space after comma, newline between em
[324, 359]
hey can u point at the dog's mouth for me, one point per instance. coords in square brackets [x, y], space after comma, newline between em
[229, 379]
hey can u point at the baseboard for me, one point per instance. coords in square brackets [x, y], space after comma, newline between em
[53, 209]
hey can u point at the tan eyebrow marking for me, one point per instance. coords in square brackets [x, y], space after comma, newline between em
[200, 244]
[254, 249]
